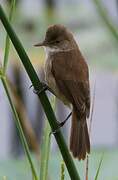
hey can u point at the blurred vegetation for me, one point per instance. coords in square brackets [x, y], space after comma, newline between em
[93, 37]
[108, 169]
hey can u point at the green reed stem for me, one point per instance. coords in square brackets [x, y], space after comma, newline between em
[45, 151]
[62, 171]
[99, 167]
[7, 42]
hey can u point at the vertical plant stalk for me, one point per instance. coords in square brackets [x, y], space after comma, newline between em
[87, 168]
[45, 151]
[4, 178]
[19, 127]
[7, 42]
[62, 171]
[24, 120]
[90, 125]
[43, 98]
[104, 15]
[45, 148]
[100, 163]
[92, 108]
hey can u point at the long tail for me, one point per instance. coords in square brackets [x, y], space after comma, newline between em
[79, 138]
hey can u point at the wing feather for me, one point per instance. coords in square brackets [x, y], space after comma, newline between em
[72, 81]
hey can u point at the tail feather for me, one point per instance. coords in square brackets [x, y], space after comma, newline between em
[79, 138]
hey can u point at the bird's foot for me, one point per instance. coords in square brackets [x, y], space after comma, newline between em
[44, 88]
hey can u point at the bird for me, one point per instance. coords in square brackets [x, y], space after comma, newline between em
[67, 75]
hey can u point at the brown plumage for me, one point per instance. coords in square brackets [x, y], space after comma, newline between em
[67, 75]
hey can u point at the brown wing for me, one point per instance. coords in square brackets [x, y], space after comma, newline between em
[71, 74]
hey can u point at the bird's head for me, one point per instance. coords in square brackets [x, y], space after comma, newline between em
[57, 37]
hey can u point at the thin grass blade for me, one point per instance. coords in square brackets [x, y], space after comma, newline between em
[92, 108]
[104, 15]
[45, 151]
[7, 42]
[90, 127]
[99, 167]
[62, 171]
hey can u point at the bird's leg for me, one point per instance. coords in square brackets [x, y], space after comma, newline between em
[61, 124]
[45, 87]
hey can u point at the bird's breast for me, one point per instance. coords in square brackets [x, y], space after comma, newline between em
[50, 80]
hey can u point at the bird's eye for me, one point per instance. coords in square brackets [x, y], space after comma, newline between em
[57, 41]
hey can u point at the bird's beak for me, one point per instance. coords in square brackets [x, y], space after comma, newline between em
[40, 44]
